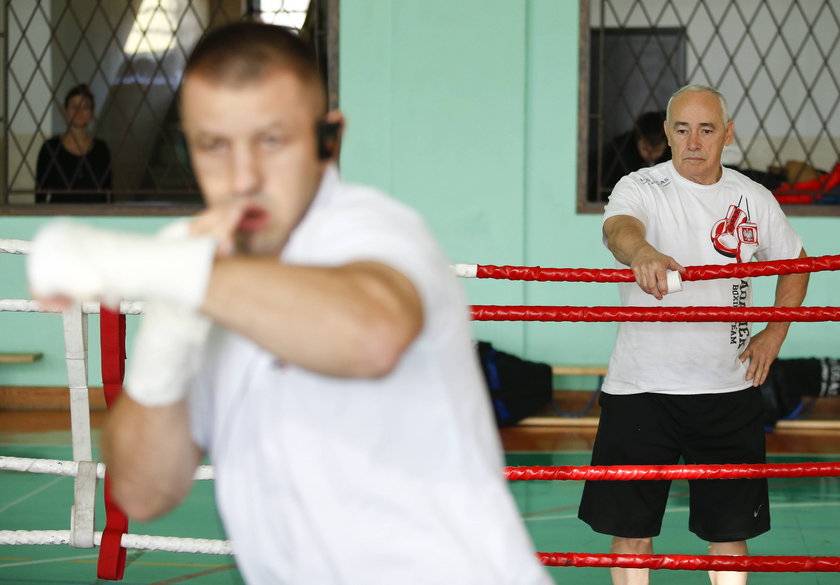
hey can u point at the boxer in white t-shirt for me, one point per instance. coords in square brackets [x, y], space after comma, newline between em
[310, 337]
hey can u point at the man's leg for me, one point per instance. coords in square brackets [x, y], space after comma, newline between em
[633, 430]
[727, 513]
[634, 546]
[729, 549]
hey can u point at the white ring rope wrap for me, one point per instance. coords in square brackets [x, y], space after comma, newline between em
[71, 468]
[204, 546]
[465, 270]
[15, 246]
[89, 308]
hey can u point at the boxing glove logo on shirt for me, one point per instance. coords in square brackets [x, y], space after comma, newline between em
[734, 233]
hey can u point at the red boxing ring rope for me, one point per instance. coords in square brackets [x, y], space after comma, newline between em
[682, 314]
[694, 563]
[708, 272]
[669, 472]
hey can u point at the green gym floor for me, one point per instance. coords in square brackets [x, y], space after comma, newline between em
[805, 515]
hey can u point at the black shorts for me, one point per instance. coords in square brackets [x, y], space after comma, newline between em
[658, 429]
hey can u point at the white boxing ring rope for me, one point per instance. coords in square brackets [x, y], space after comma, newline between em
[146, 542]
[71, 468]
[88, 308]
[14, 246]
[85, 471]
[71, 537]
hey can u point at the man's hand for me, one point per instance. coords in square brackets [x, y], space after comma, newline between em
[220, 224]
[761, 351]
[625, 237]
[764, 346]
[650, 267]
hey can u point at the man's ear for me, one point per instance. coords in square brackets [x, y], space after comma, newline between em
[730, 133]
[330, 129]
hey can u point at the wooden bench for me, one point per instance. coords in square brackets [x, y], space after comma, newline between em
[555, 415]
[825, 415]
[577, 370]
[20, 357]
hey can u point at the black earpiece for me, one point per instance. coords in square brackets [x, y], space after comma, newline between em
[327, 139]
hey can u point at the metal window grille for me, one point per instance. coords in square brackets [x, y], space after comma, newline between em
[131, 55]
[776, 61]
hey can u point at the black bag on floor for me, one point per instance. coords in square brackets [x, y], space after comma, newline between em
[791, 380]
[518, 388]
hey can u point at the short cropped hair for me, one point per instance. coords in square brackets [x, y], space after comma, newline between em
[649, 127]
[82, 90]
[696, 87]
[246, 51]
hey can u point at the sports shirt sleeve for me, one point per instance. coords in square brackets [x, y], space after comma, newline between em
[779, 241]
[627, 198]
[370, 227]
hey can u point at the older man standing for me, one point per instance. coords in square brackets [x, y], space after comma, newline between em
[689, 390]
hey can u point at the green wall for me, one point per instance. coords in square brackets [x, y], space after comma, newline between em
[467, 110]
[26, 332]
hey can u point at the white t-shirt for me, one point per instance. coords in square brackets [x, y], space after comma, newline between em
[734, 220]
[323, 480]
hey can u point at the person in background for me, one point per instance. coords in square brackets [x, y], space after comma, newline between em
[308, 335]
[643, 146]
[74, 167]
[689, 390]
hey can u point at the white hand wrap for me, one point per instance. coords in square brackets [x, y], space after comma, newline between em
[86, 264]
[166, 347]
[165, 353]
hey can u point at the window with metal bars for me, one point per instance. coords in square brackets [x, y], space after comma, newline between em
[123, 61]
[776, 61]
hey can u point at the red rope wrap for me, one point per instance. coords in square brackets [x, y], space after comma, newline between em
[650, 314]
[708, 272]
[669, 472]
[694, 563]
[112, 555]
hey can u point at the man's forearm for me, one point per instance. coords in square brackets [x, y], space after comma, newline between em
[625, 238]
[790, 292]
[350, 321]
[150, 456]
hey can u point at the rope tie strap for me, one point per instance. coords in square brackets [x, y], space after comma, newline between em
[654, 314]
[765, 564]
[671, 472]
[112, 554]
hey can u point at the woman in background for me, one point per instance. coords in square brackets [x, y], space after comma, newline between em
[76, 166]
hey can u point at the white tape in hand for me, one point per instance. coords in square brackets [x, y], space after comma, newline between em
[674, 282]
